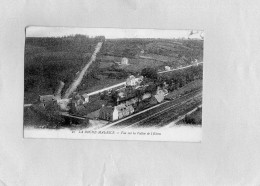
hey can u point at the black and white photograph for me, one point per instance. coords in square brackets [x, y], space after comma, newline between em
[112, 83]
[117, 93]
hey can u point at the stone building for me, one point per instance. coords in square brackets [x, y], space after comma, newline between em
[124, 61]
[167, 68]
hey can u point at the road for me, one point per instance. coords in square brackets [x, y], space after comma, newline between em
[107, 88]
[151, 58]
[149, 116]
[27, 105]
[197, 64]
[82, 73]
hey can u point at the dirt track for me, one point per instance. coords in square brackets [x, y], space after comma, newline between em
[80, 76]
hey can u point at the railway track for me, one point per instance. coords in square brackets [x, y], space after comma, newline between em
[150, 114]
[155, 120]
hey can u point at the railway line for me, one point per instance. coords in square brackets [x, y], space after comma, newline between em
[156, 120]
[145, 117]
[166, 116]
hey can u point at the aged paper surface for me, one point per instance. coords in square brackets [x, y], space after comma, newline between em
[229, 151]
[114, 84]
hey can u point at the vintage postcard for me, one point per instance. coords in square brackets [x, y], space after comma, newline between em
[114, 84]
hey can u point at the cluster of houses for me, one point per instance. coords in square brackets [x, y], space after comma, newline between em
[127, 102]
[133, 81]
[128, 107]
[125, 107]
[113, 113]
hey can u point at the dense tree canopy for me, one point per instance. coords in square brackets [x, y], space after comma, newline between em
[149, 73]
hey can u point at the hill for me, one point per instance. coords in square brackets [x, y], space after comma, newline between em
[48, 60]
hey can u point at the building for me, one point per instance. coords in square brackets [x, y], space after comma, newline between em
[133, 81]
[140, 79]
[47, 98]
[167, 68]
[124, 61]
[108, 113]
[113, 113]
[63, 104]
[159, 96]
[131, 99]
[85, 98]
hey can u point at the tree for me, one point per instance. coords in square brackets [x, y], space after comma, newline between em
[151, 88]
[149, 73]
[114, 96]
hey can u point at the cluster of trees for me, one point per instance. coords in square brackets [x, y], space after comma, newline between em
[177, 79]
[152, 80]
[109, 96]
[113, 72]
[51, 59]
[150, 73]
[113, 97]
[116, 73]
[73, 43]
[46, 74]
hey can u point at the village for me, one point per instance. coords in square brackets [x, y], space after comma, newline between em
[115, 83]
[116, 102]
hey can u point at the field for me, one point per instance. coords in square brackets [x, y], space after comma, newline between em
[49, 60]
